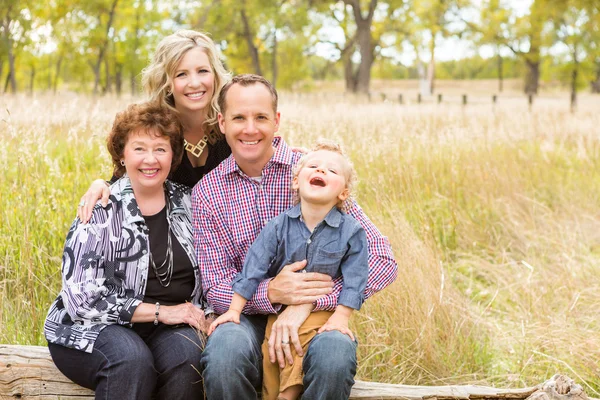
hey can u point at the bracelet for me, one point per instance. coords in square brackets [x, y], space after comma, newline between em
[156, 313]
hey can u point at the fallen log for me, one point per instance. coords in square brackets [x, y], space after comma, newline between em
[27, 373]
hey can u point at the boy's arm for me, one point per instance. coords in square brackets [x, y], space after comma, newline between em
[339, 321]
[232, 315]
[215, 250]
[383, 268]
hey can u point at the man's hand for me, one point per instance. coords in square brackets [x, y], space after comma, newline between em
[290, 287]
[284, 334]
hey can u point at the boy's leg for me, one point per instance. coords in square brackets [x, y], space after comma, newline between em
[270, 384]
[290, 378]
[177, 353]
[232, 360]
[329, 366]
[120, 366]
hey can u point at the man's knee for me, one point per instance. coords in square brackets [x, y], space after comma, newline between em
[331, 353]
[230, 345]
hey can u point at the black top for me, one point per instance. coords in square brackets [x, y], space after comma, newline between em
[182, 281]
[187, 175]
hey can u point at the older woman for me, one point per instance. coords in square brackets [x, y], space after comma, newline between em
[186, 76]
[125, 323]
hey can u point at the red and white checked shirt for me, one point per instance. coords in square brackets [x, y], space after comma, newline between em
[228, 211]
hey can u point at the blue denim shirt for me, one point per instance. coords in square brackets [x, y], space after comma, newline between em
[337, 246]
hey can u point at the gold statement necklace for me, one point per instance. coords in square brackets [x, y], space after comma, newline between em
[197, 149]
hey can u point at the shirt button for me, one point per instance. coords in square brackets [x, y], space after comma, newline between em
[309, 241]
[265, 221]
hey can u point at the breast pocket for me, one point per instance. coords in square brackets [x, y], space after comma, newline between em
[328, 262]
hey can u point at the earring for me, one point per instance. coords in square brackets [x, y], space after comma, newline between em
[122, 163]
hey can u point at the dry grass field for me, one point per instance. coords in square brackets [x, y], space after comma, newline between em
[493, 213]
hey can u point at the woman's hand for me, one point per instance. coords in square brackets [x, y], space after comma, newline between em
[98, 191]
[284, 334]
[229, 316]
[185, 313]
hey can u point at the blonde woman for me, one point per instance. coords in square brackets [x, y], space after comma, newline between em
[185, 75]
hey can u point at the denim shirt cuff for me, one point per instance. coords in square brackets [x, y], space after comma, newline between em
[351, 299]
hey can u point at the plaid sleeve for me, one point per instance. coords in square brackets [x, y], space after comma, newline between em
[383, 268]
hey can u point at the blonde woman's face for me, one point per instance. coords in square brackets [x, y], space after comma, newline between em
[193, 82]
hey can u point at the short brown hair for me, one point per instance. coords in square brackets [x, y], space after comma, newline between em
[247, 80]
[150, 116]
[350, 173]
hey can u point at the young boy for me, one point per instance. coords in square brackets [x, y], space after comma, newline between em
[315, 230]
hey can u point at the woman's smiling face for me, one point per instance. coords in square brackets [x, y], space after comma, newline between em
[147, 157]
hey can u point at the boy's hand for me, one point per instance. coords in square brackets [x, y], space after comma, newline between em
[337, 322]
[229, 316]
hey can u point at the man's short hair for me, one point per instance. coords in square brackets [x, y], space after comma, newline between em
[246, 80]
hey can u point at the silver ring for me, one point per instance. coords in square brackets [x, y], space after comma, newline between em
[285, 342]
[82, 203]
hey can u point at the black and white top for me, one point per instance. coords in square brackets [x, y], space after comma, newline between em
[105, 266]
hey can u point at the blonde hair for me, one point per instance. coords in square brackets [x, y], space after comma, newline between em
[157, 78]
[350, 173]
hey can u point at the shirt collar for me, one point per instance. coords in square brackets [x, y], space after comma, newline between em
[333, 217]
[282, 155]
[122, 188]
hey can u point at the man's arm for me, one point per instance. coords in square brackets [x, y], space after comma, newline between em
[383, 268]
[215, 251]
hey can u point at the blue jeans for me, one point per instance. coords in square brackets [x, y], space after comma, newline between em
[125, 366]
[232, 362]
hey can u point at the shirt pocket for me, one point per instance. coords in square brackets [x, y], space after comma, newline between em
[328, 262]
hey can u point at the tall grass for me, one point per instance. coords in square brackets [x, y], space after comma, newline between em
[492, 213]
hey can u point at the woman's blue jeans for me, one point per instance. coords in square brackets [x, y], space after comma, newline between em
[232, 362]
[125, 366]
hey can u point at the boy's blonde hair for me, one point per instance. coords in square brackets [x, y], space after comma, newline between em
[157, 78]
[349, 172]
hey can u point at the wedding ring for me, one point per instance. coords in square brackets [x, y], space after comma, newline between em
[82, 203]
[285, 342]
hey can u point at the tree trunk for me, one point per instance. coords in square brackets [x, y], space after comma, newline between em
[31, 79]
[57, 73]
[431, 66]
[500, 73]
[533, 76]
[107, 77]
[596, 83]
[11, 68]
[136, 45]
[574, 74]
[7, 81]
[365, 44]
[118, 78]
[274, 59]
[250, 42]
[96, 67]
[11, 77]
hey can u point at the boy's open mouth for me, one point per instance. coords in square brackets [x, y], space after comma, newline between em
[317, 181]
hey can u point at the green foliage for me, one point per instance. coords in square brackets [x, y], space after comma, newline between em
[79, 45]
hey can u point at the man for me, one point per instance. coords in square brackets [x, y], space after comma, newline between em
[230, 207]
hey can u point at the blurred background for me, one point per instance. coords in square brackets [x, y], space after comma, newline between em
[100, 46]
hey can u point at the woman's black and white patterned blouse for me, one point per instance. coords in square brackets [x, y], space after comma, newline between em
[105, 266]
